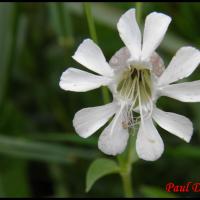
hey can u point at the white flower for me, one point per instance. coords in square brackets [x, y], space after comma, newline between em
[134, 77]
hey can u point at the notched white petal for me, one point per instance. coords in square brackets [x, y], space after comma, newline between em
[80, 81]
[182, 65]
[149, 144]
[185, 92]
[113, 140]
[89, 120]
[176, 124]
[130, 33]
[90, 55]
[156, 25]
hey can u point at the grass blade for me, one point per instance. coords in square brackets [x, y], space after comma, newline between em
[42, 151]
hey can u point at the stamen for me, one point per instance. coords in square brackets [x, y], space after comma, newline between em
[135, 89]
[149, 102]
[139, 98]
[116, 118]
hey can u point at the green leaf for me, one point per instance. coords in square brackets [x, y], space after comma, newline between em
[62, 137]
[98, 169]
[155, 192]
[42, 151]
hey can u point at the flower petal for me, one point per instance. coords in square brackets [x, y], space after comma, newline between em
[182, 65]
[80, 81]
[89, 120]
[130, 33]
[176, 124]
[119, 59]
[157, 63]
[114, 138]
[149, 144]
[90, 55]
[156, 25]
[186, 92]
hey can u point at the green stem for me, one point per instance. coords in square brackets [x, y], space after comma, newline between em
[90, 20]
[93, 34]
[127, 184]
[125, 162]
[138, 6]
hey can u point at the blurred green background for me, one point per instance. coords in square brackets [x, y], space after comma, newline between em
[40, 153]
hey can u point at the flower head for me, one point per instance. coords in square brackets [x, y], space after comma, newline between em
[135, 75]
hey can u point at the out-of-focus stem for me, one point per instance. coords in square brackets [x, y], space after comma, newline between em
[90, 20]
[138, 6]
[93, 34]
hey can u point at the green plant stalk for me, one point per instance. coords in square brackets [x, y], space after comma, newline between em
[90, 21]
[138, 6]
[93, 34]
[127, 184]
[126, 160]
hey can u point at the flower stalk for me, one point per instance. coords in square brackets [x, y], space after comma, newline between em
[93, 34]
[90, 21]
[125, 162]
[138, 6]
[127, 183]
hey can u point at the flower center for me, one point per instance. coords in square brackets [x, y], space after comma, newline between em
[135, 87]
